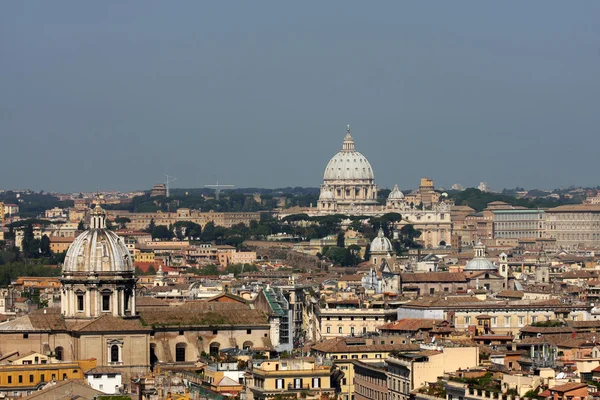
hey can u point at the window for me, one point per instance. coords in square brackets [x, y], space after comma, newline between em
[521, 320]
[328, 329]
[533, 318]
[9, 379]
[297, 383]
[340, 329]
[26, 336]
[279, 383]
[506, 321]
[316, 382]
[42, 378]
[180, 352]
[114, 353]
[59, 353]
[352, 330]
[106, 302]
[64, 377]
[248, 331]
[215, 332]
[494, 321]
[180, 333]
[30, 378]
[20, 378]
[355, 356]
[80, 302]
[467, 320]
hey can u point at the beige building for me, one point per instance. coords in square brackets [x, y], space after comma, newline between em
[303, 377]
[505, 317]
[410, 371]
[345, 351]
[574, 226]
[141, 221]
[348, 318]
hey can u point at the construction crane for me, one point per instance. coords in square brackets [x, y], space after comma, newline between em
[169, 180]
[218, 188]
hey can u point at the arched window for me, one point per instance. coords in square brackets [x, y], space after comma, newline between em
[114, 353]
[180, 352]
[247, 345]
[214, 349]
[59, 353]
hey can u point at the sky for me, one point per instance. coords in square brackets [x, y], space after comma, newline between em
[112, 95]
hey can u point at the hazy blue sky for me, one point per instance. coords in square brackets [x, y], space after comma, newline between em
[114, 94]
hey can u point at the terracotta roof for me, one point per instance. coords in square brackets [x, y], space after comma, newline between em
[62, 390]
[411, 324]
[102, 371]
[433, 277]
[567, 387]
[109, 323]
[439, 301]
[201, 314]
[146, 301]
[546, 329]
[514, 294]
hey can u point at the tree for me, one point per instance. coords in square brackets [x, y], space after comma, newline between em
[122, 221]
[367, 253]
[151, 226]
[29, 245]
[162, 232]
[208, 233]
[178, 233]
[341, 239]
[81, 226]
[45, 246]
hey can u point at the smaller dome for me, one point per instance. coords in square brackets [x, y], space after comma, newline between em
[381, 244]
[396, 194]
[479, 262]
[326, 194]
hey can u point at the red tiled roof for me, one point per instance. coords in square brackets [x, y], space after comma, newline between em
[567, 387]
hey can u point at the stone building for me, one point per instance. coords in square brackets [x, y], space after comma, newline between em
[574, 226]
[99, 317]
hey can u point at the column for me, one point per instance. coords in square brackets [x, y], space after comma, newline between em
[132, 303]
[115, 303]
[122, 301]
[62, 301]
[98, 303]
[88, 303]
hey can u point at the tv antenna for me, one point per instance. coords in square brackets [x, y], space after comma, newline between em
[218, 188]
[169, 180]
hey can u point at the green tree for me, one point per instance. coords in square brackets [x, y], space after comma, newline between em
[208, 233]
[122, 222]
[45, 246]
[81, 226]
[341, 240]
[151, 226]
[29, 245]
[162, 232]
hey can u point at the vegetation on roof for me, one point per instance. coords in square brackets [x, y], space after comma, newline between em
[549, 324]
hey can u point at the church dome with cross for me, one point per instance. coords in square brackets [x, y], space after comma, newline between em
[98, 274]
[350, 177]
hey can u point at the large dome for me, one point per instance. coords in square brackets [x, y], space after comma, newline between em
[349, 164]
[381, 244]
[97, 250]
